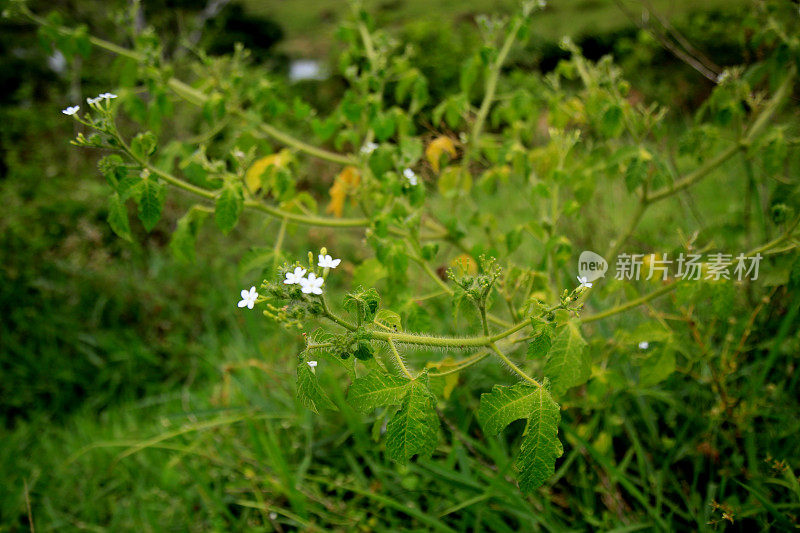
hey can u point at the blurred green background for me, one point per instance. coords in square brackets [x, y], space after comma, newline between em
[136, 397]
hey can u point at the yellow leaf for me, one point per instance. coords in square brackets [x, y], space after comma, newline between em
[252, 177]
[437, 147]
[450, 380]
[347, 181]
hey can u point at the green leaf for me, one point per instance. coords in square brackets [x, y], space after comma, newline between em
[309, 392]
[410, 150]
[504, 405]
[377, 389]
[540, 445]
[658, 367]
[118, 217]
[567, 363]
[144, 144]
[229, 206]
[611, 124]
[362, 304]
[364, 350]
[390, 319]
[113, 168]
[636, 173]
[149, 193]
[414, 429]
[185, 235]
[541, 342]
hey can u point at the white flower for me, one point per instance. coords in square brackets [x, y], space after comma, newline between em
[326, 261]
[273, 515]
[410, 176]
[584, 282]
[644, 345]
[312, 284]
[107, 96]
[92, 101]
[71, 110]
[296, 277]
[368, 148]
[312, 364]
[248, 298]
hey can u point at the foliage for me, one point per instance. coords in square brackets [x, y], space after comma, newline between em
[488, 210]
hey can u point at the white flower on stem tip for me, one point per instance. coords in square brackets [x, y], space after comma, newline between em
[312, 364]
[71, 110]
[248, 298]
[107, 96]
[584, 282]
[312, 284]
[410, 176]
[326, 261]
[293, 278]
[369, 148]
[644, 345]
[92, 101]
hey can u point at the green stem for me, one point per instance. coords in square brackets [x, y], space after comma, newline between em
[491, 88]
[276, 251]
[250, 204]
[485, 325]
[466, 363]
[196, 97]
[513, 367]
[631, 304]
[333, 318]
[756, 127]
[447, 342]
[399, 359]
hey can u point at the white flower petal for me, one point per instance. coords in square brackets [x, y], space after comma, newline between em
[251, 304]
[245, 294]
[242, 303]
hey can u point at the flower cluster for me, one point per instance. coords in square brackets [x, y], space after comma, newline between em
[71, 110]
[311, 284]
[410, 176]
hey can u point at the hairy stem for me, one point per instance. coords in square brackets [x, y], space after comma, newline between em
[513, 367]
[399, 359]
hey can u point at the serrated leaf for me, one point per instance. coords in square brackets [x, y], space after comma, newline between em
[150, 196]
[414, 429]
[362, 304]
[540, 445]
[229, 207]
[183, 239]
[377, 389]
[541, 342]
[567, 363]
[504, 405]
[118, 217]
[144, 144]
[309, 392]
[390, 319]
